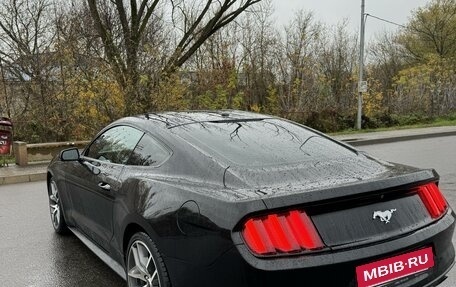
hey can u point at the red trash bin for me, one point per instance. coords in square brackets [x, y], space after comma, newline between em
[6, 135]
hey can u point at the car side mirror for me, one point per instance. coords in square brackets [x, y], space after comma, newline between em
[71, 154]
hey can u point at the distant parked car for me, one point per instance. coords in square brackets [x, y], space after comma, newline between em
[231, 198]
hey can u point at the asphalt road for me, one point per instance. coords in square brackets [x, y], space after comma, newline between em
[31, 255]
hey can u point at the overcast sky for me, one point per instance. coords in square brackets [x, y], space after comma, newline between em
[334, 11]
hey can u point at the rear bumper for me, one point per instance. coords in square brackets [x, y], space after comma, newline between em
[238, 267]
[440, 279]
[420, 238]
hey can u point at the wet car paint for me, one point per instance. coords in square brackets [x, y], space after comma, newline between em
[158, 201]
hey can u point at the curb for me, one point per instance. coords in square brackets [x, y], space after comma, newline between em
[362, 142]
[22, 178]
[36, 171]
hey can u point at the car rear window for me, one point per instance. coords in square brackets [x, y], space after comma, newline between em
[262, 142]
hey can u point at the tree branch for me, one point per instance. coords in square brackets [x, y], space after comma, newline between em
[112, 52]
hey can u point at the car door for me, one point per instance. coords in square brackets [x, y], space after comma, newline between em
[94, 185]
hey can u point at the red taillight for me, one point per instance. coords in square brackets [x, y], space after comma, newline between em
[433, 199]
[287, 232]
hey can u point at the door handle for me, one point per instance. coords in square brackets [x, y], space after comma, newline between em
[104, 186]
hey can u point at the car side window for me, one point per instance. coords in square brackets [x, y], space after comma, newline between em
[115, 145]
[148, 152]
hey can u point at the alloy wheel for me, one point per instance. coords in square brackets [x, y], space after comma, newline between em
[142, 271]
[54, 205]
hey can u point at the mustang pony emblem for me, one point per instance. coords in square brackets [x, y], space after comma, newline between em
[385, 216]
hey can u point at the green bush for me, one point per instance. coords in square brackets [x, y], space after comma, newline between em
[329, 120]
[412, 119]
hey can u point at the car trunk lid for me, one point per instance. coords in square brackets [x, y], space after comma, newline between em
[353, 224]
[358, 213]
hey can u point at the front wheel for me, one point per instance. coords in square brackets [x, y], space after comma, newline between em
[55, 207]
[145, 265]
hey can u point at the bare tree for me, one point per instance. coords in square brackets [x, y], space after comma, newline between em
[196, 25]
[298, 73]
[26, 37]
[337, 61]
[259, 42]
[386, 61]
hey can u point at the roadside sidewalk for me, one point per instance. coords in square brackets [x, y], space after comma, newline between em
[396, 135]
[18, 174]
[36, 172]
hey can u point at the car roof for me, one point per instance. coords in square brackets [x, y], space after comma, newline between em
[175, 119]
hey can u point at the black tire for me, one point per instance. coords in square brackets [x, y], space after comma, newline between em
[137, 277]
[55, 207]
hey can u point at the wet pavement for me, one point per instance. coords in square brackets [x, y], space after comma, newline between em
[32, 255]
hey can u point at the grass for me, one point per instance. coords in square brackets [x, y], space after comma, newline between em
[440, 122]
[7, 159]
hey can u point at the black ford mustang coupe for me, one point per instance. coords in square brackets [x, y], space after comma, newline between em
[231, 198]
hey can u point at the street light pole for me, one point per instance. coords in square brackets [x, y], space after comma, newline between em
[361, 85]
